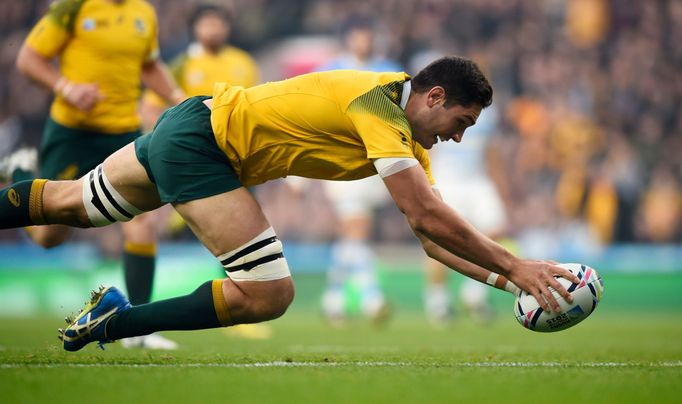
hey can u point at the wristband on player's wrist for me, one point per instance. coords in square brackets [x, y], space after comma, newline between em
[500, 282]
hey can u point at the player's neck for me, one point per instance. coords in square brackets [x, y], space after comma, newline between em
[213, 50]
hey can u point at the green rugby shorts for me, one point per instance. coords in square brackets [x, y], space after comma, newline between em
[69, 153]
[182, 157]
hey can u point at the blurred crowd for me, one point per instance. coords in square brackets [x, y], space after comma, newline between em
[588, 137]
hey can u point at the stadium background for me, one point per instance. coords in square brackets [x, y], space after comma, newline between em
[585, 153]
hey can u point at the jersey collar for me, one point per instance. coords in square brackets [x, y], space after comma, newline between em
[406, 94]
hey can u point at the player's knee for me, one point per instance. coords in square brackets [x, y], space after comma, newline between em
[103, 204]
[48, 240]
[276, 303]
[262, 260]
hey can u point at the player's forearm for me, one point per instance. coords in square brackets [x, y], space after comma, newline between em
[448, 230]
[156, 77]
[465, 267]
[149, 114]
[38, 68]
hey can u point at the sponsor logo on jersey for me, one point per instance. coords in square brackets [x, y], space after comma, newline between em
[13, 197]
[89, 24]
[403, 138]
[139, 25]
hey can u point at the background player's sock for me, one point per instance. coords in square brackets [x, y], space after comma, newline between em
[203, 308]
[21, 204]
[437, 304]
[22, 175]
[138, 266]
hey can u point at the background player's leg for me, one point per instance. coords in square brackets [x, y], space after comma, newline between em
[437, 297]
[22, 165]
[353, 260]
[139, 265]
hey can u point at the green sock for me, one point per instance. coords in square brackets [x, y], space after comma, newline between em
[195, 311]
[22, 175]
[138, 268]
[21, 204]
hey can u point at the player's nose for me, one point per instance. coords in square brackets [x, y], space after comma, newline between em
[457, 137]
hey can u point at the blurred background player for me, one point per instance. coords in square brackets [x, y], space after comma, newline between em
[208, 59]
[105, 49]
[469, 191]
[353, 261]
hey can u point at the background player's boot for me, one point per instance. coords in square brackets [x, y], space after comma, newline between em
[90, 324]
[24, 160]
[151, 341]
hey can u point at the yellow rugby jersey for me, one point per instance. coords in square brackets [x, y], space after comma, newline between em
[103, 42]
[326, 125]
[196, 71]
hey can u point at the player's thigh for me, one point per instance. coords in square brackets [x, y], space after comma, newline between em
[129, 178]
[357, 198]
[225, 221]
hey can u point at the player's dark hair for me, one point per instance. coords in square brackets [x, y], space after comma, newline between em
[463, 81]
[357, 22]
[208, 8]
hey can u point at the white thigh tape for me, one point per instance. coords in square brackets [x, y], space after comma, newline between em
[261, 259]
[103, 204]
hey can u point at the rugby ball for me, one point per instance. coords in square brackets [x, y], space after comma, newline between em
[586, 295]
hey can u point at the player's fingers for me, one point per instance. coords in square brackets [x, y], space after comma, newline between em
[562, 290]
[540, 299]
[566, 274]
[547, 294]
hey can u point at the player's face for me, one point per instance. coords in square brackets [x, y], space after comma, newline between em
[211, 31]
[432, 122]
[360, 43]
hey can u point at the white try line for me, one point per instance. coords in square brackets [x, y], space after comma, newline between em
[286, 364]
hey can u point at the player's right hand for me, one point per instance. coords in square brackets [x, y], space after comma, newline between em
[536, 277]
[83, 96]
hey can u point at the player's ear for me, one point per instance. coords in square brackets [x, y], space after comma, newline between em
[435, 96]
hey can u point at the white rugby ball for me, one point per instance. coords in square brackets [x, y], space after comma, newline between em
[586, 295]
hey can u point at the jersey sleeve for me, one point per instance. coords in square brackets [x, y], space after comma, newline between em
[381, 123]
[425, 161]
[55, 29]
[153, 45]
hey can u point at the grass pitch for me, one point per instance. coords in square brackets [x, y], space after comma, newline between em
[628, 351]
[608, 358]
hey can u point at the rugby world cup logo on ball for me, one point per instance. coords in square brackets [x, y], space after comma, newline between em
[586, 295]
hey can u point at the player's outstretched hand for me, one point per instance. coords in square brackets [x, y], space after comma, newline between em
[536, 277]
